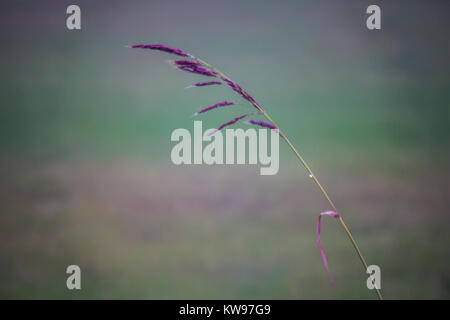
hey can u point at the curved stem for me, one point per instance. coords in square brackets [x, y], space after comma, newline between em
[308, 169]
[349, 234]
[322, 189]
[358, 252]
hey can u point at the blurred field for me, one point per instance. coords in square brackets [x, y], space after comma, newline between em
[85, 151]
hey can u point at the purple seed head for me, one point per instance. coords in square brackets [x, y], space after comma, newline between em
[262, 124]
[164, 48]
[188, 63]
[214, 106]
[202, 84]
[198, 70]
[226, 124]
[233, 85]
[241, 92]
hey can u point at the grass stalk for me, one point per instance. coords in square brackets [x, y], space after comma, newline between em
[311, 174]
[197, 68]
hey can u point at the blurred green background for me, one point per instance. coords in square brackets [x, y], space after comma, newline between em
[86, 175]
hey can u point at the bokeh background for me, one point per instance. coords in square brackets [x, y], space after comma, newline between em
[86, 175]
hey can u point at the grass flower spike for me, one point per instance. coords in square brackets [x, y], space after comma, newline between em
[164, 48]
[203, 84]
[200, 67]
[214, 106]
[242, 92]
[198, 70]
[262, 124]
[226, 124]
[188, 63]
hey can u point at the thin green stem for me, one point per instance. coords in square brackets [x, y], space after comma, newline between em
[322, 189]
[358, 252]
[308, 169]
